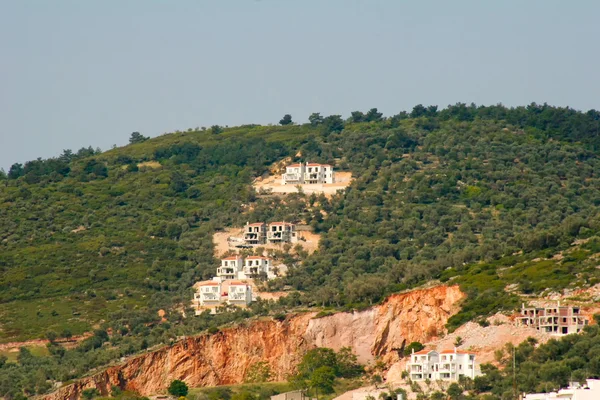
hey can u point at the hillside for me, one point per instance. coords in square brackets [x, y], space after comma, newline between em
[478, 196]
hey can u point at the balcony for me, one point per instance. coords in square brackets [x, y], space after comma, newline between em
[292, 177]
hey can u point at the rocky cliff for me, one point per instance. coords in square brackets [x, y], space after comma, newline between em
[224, 358]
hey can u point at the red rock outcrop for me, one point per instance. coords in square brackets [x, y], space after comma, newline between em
[224, 358]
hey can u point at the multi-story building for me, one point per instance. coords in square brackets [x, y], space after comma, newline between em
[216, 292]
[207, 294]
[556, 320]
[575, 391]
[255, 233]
[230, 267]
[309, 173]
[239, 293]
[255, 266]
[447, 365]
[281, 232]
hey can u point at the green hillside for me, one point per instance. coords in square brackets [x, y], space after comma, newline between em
[467, 194]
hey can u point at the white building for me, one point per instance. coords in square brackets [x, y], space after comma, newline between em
[447, 365]
[588, 391]
[207, 294]
[239, 293]
[255, 266]
[230, 268]
[281, 232]
[309, 173]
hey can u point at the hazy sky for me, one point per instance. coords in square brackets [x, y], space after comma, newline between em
[78, 73]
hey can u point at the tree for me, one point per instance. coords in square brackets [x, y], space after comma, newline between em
[178, 388]
[333, 123]
[51, 336]
[416, 346]
[89, 394]
[458, 341]
[15, 171]
[286, 120]
[373, 115]
[315, 119]
[137, 137]
[216, 129]
[454, 391]
[317, 358]
[357, 116]
[322, 379]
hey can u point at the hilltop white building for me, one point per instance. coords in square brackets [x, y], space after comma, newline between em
[255, 233]
[589, 391]
[447, 365]
[309, 173]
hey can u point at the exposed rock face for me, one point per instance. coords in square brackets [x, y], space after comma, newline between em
[225, 357]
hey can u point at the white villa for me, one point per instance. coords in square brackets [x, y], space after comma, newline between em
[255, 233]
[588, 391]
[256, 265]
[447, 365]
[208, 293]
[238, 267]
[230, 268]
[281, 232]
[309, 173]
[239, 293]
[216, 292]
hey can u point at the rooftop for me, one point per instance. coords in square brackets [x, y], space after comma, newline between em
[456, 352]
[294, 165]
[281, 223]
[208, 283]
[257, 258]
[231, 258]
[256, 224]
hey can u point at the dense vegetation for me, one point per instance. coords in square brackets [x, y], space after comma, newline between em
[467, 194]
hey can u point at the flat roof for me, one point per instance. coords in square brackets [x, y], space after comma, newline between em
[256, 224]
[280, 223]
[257, 258]
[237, 283]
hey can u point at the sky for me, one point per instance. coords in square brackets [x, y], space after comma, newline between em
[79, 73]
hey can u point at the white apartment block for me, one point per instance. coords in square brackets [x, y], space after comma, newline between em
[207, 294]
[447, 365]
[239, 293]
[589, 391]
[214, 293]
[281, 232]
[255, 266]
[230, 268]
[309, 173]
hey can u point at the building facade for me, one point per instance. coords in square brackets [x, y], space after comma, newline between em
[230, 267]
[281, 232]
[309, 173]
[239, 293]
[207, 294]
[556, 320]
[588, 391]
[256, 266]
[255, 233]
[447, 365]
